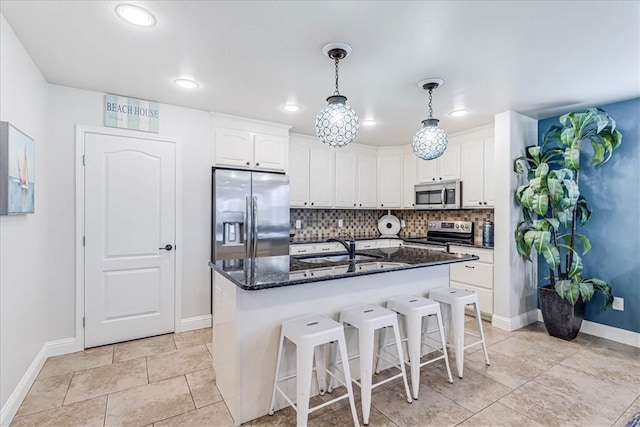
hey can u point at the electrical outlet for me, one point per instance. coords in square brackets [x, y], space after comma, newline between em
[341, 223]
[618, 304]
[402, 223]
[298, 224]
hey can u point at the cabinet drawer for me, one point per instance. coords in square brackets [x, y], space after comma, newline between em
[485, 296]
[372, 244]
[321, 272]
[367, 266]
[298, 275]
[328, 247]
[473, 273]
[300, 249]
[485, 255]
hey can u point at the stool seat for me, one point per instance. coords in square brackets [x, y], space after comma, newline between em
[414, 309]
[308, 333]
[367, 319]
[454, 302]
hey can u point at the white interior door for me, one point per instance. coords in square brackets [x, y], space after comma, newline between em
[129, 220]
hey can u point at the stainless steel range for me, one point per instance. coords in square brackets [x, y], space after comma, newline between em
[441, 233]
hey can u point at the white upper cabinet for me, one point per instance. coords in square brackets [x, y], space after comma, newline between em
[409, 176]
[477, 163]
[233, 148]
[298, 173]
[346, 177]
[322, 162]
[367, 177]
[270, 152]
[444, 168]
[250, 144]
[390, 162]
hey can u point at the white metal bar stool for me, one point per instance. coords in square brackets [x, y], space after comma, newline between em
[367, 319]
[308, 333]
[454, 302]
[415, 310]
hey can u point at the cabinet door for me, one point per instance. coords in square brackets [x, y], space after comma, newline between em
[270, 152]
[233, 148]
[322, 162]
[472, 174]
[346, 177]
[367, 179]
[427, 170]
[409, 177]
[390, 178]
[449, 163]
[489, 174]
[299, 175]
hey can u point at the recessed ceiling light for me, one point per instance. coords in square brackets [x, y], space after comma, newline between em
[135, 15]
[292, 108]
[368, 122]
[186, 83]
[458, 113]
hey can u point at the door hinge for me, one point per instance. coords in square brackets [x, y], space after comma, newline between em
[83, 322]
[83, 240]
[83, 160]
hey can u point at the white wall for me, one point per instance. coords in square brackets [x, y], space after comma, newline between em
[515, 286]
[70, 107]
[25, 286]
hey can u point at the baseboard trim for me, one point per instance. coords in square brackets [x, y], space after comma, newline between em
[63, 346]
[608, 332]
[193, 323]
[513, 323]
[12, 405]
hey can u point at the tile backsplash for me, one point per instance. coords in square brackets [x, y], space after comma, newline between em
[320, 224]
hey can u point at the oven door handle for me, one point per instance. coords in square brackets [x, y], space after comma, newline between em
[443, 196]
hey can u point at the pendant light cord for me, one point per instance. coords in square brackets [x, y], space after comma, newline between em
[430, 107]
[336, 92]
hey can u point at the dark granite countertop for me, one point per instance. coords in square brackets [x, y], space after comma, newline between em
[278, 271]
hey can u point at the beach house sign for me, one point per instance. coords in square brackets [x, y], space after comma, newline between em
[131, 113]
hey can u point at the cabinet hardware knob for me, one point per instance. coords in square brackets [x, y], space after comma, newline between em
[360, 204]
[354, 204]
[305, 203]
[382, 204]
[440, 178]
[311, 203]
[480, 203]
[248, 163]
[257, 164]
[469, 266]
[413, 204]
[485, 203]
[433, 179]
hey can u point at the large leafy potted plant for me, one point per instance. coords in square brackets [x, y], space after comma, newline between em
[553, 209]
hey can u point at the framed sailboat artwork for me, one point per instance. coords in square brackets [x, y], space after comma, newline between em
[17, 171]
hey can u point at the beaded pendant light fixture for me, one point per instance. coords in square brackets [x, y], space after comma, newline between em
[430, 142]
[337, 124]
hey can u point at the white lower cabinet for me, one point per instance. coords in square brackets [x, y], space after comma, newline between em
[328, 247]
[475, 276]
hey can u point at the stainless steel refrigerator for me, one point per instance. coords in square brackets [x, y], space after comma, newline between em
[250, 214]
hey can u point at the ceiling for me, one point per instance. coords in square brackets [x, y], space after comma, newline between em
[251, 58]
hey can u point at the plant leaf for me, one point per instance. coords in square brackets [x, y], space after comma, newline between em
[562, 287]
[584, 212]
[572, 157]
[542, 170]
[586, 290]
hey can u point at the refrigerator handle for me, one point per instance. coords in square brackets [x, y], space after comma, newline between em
[254, 222]
[248, 227]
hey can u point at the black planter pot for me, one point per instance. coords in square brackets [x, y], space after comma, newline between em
[561, 318]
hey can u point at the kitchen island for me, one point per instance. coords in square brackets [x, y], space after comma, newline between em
[252, 297]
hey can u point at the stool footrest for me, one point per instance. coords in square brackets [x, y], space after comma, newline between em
[472, 344]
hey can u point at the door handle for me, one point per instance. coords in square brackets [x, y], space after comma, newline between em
[255, 227]
[166, 248]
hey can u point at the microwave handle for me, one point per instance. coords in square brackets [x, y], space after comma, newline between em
[443, 196]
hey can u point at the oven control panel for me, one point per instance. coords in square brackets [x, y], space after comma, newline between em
[450, 226]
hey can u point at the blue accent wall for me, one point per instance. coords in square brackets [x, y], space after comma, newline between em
[613, 192]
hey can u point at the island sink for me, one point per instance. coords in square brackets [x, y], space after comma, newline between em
[336, 258]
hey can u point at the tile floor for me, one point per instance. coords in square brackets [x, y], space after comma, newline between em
[168, 380]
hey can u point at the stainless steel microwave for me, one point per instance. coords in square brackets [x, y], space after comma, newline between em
[440, 195]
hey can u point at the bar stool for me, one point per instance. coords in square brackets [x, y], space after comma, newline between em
[415, 310]
[308, 333]
[367, 319]
[454, 302]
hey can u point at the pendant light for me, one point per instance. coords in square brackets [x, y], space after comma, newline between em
[429, 142]
[337, 123]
